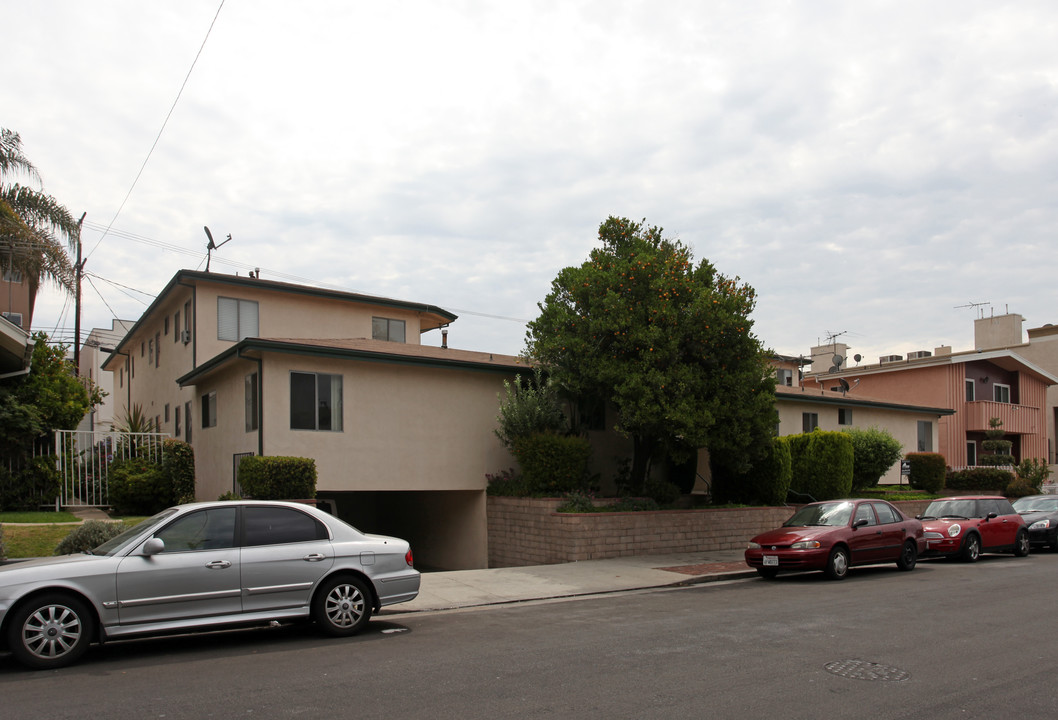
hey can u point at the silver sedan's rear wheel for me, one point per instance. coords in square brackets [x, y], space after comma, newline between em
[342, 606]
[51, 631]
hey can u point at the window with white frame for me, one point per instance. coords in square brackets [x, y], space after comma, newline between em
[1001, 393]
[809, 422]
[315, 401]
[387, 329]
[844, 416]
[971, 453]
[971, 390]
[236, 319]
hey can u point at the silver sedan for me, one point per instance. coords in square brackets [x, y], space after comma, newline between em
[203, 566]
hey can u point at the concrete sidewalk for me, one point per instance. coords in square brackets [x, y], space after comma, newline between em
[473, 588]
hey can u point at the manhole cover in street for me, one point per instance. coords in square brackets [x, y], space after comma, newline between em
[863, 670]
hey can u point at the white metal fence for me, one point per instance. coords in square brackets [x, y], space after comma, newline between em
[84, 459]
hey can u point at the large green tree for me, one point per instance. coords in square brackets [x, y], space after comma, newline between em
[667, 342]
[33, 224]
[48, 398]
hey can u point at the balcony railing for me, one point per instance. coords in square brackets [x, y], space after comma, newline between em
[1017, 419]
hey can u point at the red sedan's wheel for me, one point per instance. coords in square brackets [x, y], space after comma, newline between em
[838, 564]
[908, 556]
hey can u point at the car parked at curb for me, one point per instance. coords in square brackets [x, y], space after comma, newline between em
[967, 525]
[1041, 518]
[836, 535]
[203, 566]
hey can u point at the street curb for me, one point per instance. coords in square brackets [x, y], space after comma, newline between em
[694, 580]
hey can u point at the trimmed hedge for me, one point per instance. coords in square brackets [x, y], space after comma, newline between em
[980, 478]
[35, 484]
[927, 471]
[264, 477]
[178, 463]
[553, 464]
[821, 464]
[138, 487]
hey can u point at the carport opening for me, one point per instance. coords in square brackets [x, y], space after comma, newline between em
[447, 529]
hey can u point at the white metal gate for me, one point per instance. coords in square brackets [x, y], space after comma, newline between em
[84, 458]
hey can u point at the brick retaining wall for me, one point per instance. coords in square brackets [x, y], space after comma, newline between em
[528, 531]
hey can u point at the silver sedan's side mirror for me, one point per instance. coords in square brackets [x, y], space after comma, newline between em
[153, 546]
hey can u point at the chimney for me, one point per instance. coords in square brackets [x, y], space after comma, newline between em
[444, 338]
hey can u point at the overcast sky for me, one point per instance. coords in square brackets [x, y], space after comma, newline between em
[868, 167]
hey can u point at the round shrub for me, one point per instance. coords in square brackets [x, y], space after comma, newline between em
[1019, 487]
[874, 451]
[662, 492]
[138, 487]
[87, 535]
[267, 477]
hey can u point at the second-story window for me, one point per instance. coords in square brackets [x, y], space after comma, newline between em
[236, 319]
[387, 329]
[971, 391]
[784, 377]
[1001, 393]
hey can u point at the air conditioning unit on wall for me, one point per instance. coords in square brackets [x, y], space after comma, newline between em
[185, 336]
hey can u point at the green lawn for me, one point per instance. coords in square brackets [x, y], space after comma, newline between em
[37, 517]
[27, 541]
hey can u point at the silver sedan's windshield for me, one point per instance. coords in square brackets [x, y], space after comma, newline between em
[832, 514]
[113, 545]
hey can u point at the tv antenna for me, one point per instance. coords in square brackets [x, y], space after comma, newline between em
[211, 246]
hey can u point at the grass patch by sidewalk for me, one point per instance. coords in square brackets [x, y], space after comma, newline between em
[29, 541]
[37, 517]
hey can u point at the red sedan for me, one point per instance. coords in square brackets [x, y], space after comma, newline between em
[836, 535]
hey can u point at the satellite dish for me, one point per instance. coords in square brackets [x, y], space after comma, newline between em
[838, 360]
[211, 246]
[857, 357]
[844, 385]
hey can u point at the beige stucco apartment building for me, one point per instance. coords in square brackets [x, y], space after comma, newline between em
[401, 432]
[804, 404]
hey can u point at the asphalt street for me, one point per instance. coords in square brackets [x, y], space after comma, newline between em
[948, 640]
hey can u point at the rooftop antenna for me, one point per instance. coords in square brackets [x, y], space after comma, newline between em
[974, 305]
[211, 246]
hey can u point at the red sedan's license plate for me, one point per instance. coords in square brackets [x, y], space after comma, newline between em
[771, 561]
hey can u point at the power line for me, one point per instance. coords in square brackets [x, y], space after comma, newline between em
[160, 131]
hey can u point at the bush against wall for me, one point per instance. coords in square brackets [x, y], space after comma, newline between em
[874, 451]
[821, 464]
[927, 472]
[137, 486]
[980, 478]
[553, 464]
[264, 477]
[178, 463]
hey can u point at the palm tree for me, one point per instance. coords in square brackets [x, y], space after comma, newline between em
[32, 223]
